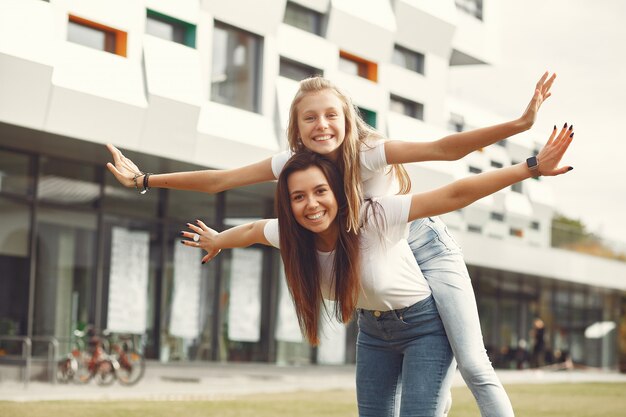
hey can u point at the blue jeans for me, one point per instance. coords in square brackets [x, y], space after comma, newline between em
[403, 362]
[441, 261]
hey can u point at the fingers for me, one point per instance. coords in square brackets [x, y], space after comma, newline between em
[202, 225]
[114, 152]
[552, 136]
[195, 228]
[548, 84]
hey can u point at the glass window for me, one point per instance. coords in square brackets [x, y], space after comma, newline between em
[165, 30]
[132, 260]
[168, 28]
[456, 122]
[65, 272]
[406, 107]
[499, 217]
[15, 174]
[14, 261]
[516, 232]
[474, 170]
[474, 229]
[369, 116]
[496, 164]
[127, 201]
[303, 18]
[236, 64]
[517, 187]
[95, 35]
[535, 225]
[188, 206]
[68, 182]
[408, 59]
[243, 284]
[297, 70]
[471, 7]
[351, 67]
[358, 66]
[188, 303]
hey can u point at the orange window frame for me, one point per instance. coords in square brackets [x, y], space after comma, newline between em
[115, 41]
[367, 69]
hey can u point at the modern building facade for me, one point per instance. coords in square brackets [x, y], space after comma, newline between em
[206, 84]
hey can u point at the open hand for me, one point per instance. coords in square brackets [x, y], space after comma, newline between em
[542, 92]
[550, 156]
[124, 169]
[205, 239]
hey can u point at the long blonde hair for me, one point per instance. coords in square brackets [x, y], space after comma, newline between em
[357, 134]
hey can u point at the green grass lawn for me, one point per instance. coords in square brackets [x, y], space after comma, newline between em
[545, 400]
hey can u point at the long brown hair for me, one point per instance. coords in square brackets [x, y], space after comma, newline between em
[299, 254]
[357, 134]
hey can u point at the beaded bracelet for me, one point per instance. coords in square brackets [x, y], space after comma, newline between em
[137, 175]
[145, 182]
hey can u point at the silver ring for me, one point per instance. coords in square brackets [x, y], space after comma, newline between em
[196, 237]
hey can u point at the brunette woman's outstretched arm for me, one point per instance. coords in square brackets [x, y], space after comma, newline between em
[213, 242]
[457, 145]
[208, 181]
[463, 192]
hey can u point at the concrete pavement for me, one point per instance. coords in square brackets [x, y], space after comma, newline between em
[226, 381]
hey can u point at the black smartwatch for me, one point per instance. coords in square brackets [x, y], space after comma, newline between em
[533, 165]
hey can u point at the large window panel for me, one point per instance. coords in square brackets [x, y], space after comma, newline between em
[237, 67]
[68, 183]
[303, 18]
[66, 250]
[14, 235]
[15, 173]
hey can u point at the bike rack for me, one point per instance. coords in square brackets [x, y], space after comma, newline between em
[53, 350]
[27, 346]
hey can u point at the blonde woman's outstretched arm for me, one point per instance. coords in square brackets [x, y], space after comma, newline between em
[457, 145]
[467, 190]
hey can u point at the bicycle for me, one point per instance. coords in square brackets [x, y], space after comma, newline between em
[82, 365]
[131, 364]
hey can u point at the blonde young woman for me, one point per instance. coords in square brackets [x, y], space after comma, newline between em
[402, 347]
[324, 120]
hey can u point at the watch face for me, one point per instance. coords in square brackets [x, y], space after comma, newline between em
[532, 162]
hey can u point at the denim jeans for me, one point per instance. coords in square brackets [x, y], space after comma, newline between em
[404, 362]
[441, 261]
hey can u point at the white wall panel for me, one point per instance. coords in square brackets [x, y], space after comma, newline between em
[172, 70]
[258, 16]
[254, 134]
[185, 10]
[24, 91]
[304, 47]
[92, 118]
[362, 27]
[426, 26]
[27, 30]
[169, 129]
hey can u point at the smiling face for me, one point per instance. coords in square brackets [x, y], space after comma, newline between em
[313, 205]
[322, 123]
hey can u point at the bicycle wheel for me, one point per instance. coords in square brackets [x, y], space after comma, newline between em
[66, 369]
[83, 372]
[132, 366]
[105, 372]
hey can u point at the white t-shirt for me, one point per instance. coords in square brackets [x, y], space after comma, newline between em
[390, 276]
[376, 177]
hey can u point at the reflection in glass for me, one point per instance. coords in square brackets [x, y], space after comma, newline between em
[236, 63]
[65, 271]
[14, 234]
[190, 339]
[68, 182]
[15, 173]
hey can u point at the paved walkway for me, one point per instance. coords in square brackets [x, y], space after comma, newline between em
[227, 381]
